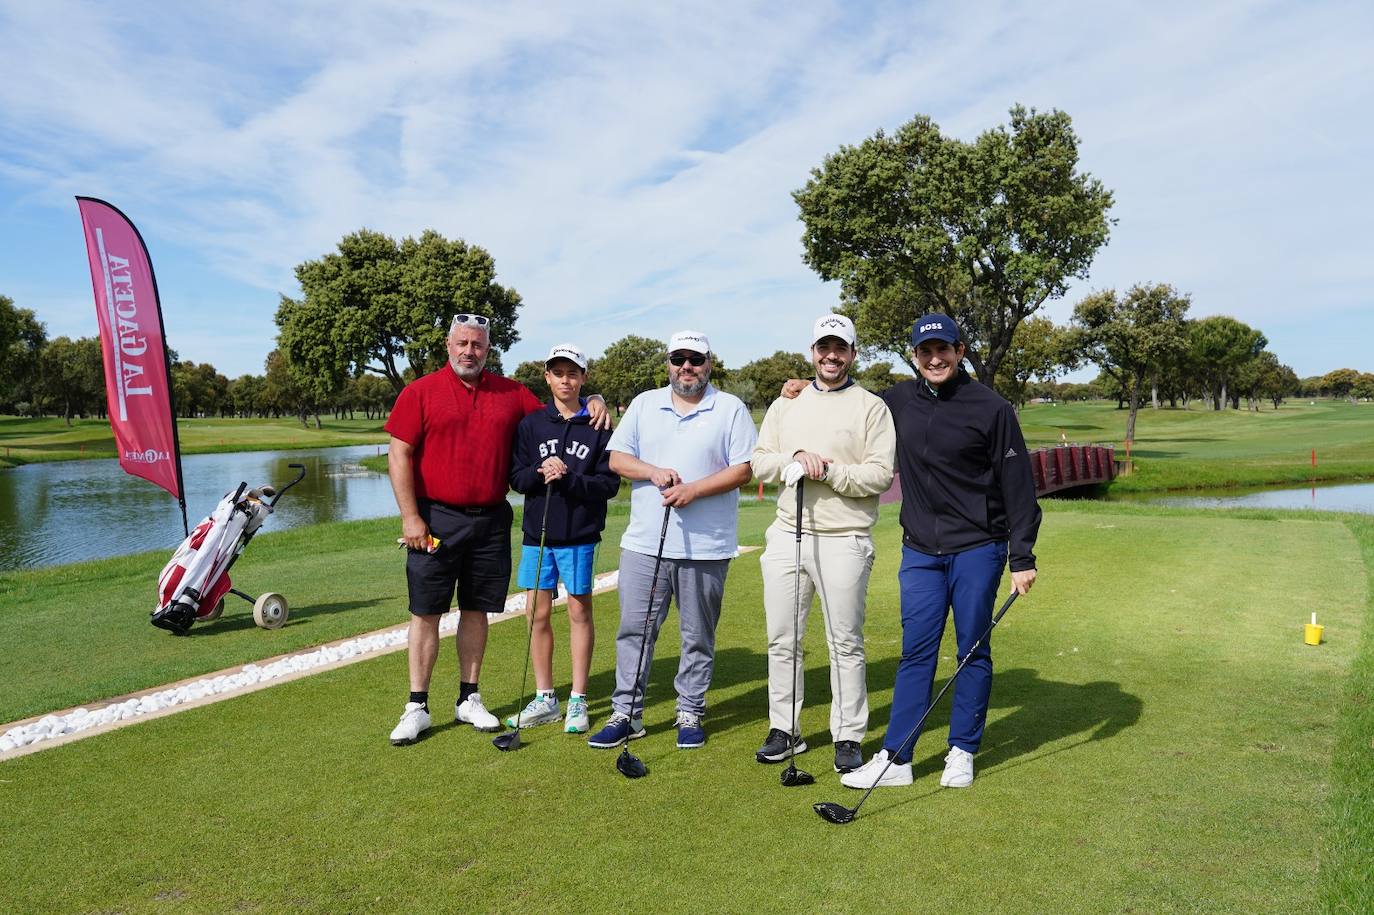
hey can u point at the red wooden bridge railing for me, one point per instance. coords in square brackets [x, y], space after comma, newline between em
[1070, 466]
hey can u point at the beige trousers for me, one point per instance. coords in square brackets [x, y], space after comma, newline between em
[837, 568]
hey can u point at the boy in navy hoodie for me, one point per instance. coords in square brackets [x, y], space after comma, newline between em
[560, 459]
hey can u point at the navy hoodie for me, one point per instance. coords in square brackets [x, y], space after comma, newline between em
[577, 506]
[966, 477]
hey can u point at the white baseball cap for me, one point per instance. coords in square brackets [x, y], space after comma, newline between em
[570, 352]
[690, 339]
[833, 325]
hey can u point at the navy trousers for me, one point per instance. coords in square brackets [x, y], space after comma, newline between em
[931, 586]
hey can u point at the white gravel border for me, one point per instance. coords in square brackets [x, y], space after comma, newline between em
[33, 734]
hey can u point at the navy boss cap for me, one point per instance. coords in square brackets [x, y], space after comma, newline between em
[934, 327]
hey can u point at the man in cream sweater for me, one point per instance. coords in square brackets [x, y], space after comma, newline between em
[841, 439]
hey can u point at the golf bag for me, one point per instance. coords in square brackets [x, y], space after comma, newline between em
[194, 583]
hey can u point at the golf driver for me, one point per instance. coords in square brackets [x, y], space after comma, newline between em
[840, 814]
[511, 739]
[793, 777]
[627, 763]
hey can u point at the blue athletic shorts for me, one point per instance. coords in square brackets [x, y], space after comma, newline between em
[572, 564]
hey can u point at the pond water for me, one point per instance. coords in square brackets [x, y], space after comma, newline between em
[71, 511]
[1338, 497]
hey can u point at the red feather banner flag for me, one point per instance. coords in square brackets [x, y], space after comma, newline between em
[132, 340]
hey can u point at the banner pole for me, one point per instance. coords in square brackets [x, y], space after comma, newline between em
[166, 357]
[171, 389]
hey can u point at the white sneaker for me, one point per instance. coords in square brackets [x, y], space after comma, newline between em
[472, 711]
[541, 710]
[897, 775]
[414, 722]
[958, 769]
[577, 721]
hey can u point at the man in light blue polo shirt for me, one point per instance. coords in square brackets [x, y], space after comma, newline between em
[686, 446]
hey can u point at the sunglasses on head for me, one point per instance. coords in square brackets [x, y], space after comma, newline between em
[470, 320]
[697, 359]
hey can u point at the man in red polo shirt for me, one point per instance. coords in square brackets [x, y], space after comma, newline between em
[452, 432]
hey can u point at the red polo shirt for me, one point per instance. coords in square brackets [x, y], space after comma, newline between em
[462, 436]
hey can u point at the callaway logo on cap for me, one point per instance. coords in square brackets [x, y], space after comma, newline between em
[833, 326]
[569, 352]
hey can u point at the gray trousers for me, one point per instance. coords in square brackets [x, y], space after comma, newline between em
[698, 586]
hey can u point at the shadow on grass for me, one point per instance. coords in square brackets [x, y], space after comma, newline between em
[238, 615]
[1044, 711]
[733, 666]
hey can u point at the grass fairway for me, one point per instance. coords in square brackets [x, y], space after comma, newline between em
[1199, 448]
[1160, 740]
[82, 624]
[27, 441]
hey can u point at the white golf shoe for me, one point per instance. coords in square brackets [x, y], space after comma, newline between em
[958, 769]
[898, 775]
[414, 722]
[541, 710]
[472, 711]
[577, 721]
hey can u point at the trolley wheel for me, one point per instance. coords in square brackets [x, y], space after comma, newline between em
[270, 611]
[213, 614]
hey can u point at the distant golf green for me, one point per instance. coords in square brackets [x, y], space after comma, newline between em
[1160, 740]
[1201, 449]
[1198, 448]
[27, 441]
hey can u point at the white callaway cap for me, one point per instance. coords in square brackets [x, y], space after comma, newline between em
[569, 352]
[833, 326]
[690, 339]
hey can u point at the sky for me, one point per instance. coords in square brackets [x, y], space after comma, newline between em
[630, 166]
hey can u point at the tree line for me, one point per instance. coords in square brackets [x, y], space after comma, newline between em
[1142, 342]
[66, 378]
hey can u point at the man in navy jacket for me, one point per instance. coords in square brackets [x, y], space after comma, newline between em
[968, 511]
[561, 465]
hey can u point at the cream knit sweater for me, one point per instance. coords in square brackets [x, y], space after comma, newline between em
[851, 427]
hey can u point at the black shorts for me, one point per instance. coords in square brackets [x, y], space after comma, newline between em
[473, 556]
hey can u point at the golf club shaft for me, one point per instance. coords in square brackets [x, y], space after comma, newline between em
[644, 633]
[534, 592]
[796, 630]
[534, 608]
[916, 729]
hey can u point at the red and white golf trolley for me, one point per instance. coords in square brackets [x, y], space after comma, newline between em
[193, 584]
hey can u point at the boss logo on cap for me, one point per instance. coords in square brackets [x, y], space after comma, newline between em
[935, 326]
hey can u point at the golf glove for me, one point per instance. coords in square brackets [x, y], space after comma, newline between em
[793, 472]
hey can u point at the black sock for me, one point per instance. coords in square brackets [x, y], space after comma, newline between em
[421, 697]
[465, 689]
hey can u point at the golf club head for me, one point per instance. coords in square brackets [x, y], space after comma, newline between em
[792, 777]
[507, 741]
[833, 813]
[630, 765]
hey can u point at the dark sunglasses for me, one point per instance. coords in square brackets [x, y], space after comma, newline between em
[697, 359]
[471, 320]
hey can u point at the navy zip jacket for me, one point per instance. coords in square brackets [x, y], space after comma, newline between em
[577, 510]
[966, 477]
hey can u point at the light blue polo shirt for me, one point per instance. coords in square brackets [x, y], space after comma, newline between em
[718, 433]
